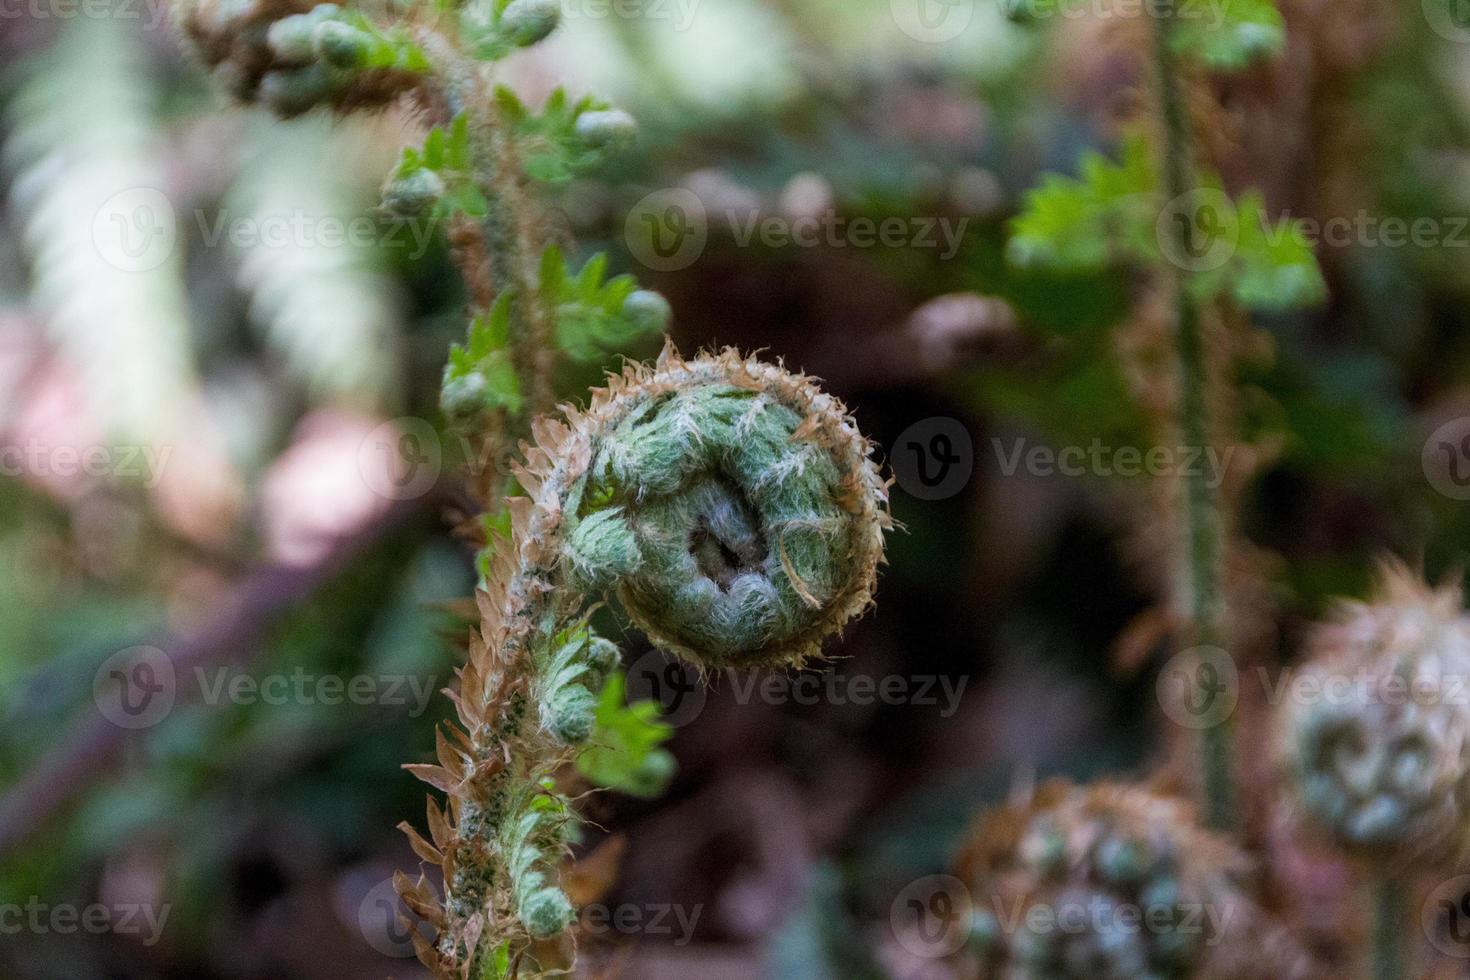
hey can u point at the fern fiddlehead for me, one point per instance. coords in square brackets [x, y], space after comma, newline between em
[735, 511]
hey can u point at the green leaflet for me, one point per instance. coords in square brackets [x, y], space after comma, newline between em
[493, 29]
[1228, 35]
[1113, 214]
[480, 375]
[597, 318]
[496, 964]
[1090, 222]
[1278, 269]
[625, 752]
[355, 41]
[558, 143]
[1223, 35]
[447, 156]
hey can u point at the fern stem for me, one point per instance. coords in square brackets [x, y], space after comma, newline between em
[513, 237]
[512, 247]
[1203, 528]
[1388, 930]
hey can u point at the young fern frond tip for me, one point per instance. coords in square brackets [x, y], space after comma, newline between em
[1107, 882]
[731, 506]
[1381, 761]
[736, 513]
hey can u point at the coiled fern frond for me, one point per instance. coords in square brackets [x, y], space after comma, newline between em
[1113, 882]
[735, 511]
[1380, 759]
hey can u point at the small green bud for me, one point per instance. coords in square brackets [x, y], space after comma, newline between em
[290, 39]
[607, 127]
[342, 44]
[547, 912]
[296, 91]
[413, 194]
[649, 310]
[526, 22]
[570, 714]
[463, 397]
